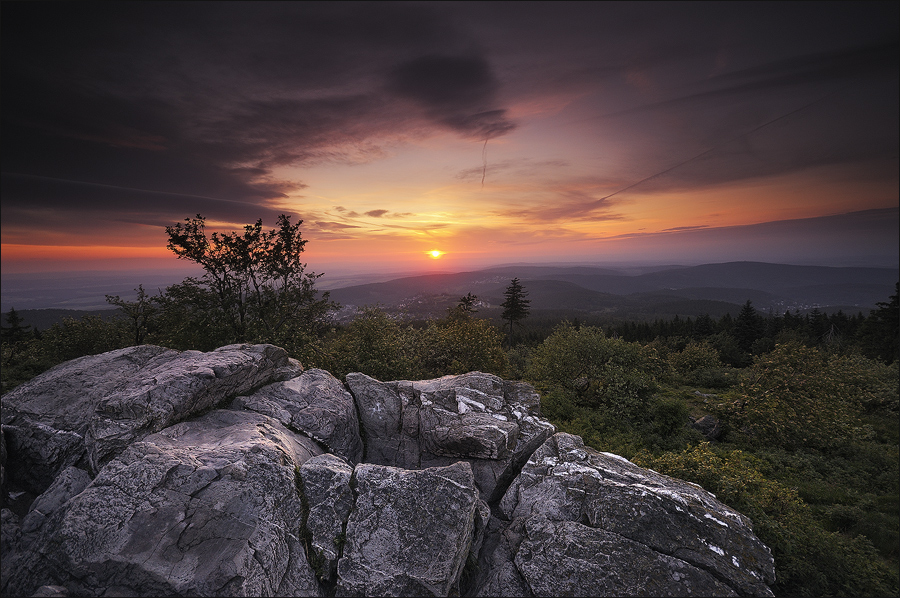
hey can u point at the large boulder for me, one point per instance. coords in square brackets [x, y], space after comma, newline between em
[491, 423]
[85, 411]
[208, 507]
[410, 532]
[608, 496]
[235, 472]
[171, 390]
[601, 563]
[45, 420]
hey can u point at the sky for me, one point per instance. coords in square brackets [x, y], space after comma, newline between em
[435, 136]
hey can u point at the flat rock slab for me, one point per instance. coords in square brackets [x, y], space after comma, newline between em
[86, 411]
[166, 391]
[45, 419]
[592, 562]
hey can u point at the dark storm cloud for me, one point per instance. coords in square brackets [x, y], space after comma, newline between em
[156, 111]
[202, 101]
[28, 192]
[457, 91]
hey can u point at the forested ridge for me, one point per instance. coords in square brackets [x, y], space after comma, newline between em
[791, 419]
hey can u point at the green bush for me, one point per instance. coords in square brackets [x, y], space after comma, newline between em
[809, 560]
[376, 345]
[456, 345]
[596, 371]
[380, 346]
[792, 397]
[695, 356]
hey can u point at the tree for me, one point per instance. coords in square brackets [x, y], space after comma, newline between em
[140, 312]
[13, 336]
[15, 332]
[515, 307]
[747, 327]
[880, 332]
[259, 285]
[467, 304]
[704, 326]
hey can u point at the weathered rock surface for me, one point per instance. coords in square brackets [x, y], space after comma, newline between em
[409, 533]
[207, 507]
[85, 411]
[45, 419]
[167, 391]
[601, 563]
[564, 481]
[314, 403]
[329, 498]
[479, 417]
[145, 485]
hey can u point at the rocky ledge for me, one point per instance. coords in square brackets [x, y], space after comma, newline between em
[148, 471]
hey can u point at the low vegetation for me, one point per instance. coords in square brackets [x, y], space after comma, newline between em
[806, 407]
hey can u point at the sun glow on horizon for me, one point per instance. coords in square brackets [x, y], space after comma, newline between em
[435, 254]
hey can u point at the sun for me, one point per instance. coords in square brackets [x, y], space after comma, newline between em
[434, 253]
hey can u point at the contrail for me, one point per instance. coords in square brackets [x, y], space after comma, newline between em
[484, 161]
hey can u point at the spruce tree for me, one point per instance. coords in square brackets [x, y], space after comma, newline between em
[515, 307]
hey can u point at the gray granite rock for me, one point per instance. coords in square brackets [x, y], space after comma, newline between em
[316, 404]
[587, 561]
[70, 482]
[409, 532]
[451, 486]
[207, 507]
[170, 390]
[45, 419]
[325, 481]
[492, 424]
[566, 481]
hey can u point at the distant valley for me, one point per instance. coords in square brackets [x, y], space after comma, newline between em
[559, 291]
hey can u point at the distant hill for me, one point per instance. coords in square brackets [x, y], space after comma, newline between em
[570, 291]
[689, 290]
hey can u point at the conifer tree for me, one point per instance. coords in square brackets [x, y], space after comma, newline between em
[515, 307]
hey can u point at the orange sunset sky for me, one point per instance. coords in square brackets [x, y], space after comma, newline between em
[489, 133]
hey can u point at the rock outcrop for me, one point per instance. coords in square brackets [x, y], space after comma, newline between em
[236, 473]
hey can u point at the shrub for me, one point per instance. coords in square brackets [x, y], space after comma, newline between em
[596, 371]
[376, 345]
[695, 356]
[792, 397]
[456, 345]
